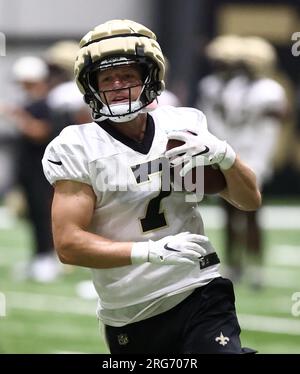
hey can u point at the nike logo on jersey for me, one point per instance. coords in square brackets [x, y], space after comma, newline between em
[55, 162]
[202, 152]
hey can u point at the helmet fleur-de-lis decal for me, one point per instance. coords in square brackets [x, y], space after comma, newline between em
[223, 340]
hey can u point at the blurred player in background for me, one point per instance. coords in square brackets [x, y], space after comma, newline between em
[223, 54]
[8, 150]
[151, 263]
[34, 125]
[64, 99]
[246, 107]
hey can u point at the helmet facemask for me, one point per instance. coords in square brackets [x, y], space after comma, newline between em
[123, 111]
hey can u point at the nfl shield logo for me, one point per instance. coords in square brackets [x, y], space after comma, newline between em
[123, 339]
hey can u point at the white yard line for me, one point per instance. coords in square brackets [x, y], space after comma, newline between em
[61, 304]
[281, 278]
[283, 283]
[270, 217]
[280, 217]
[284, 255]
[269, 324]
[49, 303]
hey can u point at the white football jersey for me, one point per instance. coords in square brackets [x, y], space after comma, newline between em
[236, 111]
[131, 205]
[66, 96]
[252, 132]
[168, 98]
[210, 90]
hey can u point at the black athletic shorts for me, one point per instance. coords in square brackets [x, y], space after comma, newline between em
[205, 322]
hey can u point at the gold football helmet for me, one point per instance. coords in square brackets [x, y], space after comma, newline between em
[225, 48]
[116, 43]
[258, 55]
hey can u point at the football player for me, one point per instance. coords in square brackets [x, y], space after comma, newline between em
[155, 271]
[34, 125]
[246, 107]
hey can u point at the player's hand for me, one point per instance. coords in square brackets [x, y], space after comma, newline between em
[183, 248]
[199, 149]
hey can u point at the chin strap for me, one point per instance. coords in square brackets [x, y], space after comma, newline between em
[123, 118]
[118, 112]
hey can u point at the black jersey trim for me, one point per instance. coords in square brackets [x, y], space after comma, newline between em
[141, 147]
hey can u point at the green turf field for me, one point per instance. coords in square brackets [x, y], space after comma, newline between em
[51, 318]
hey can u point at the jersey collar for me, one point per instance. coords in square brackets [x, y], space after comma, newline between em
[141, 147]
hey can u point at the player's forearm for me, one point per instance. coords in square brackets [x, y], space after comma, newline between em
[81, 248]
[242, 190]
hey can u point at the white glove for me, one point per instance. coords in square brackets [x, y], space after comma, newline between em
[183, 248]
[199, 149]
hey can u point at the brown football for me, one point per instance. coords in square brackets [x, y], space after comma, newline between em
[213, 179]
